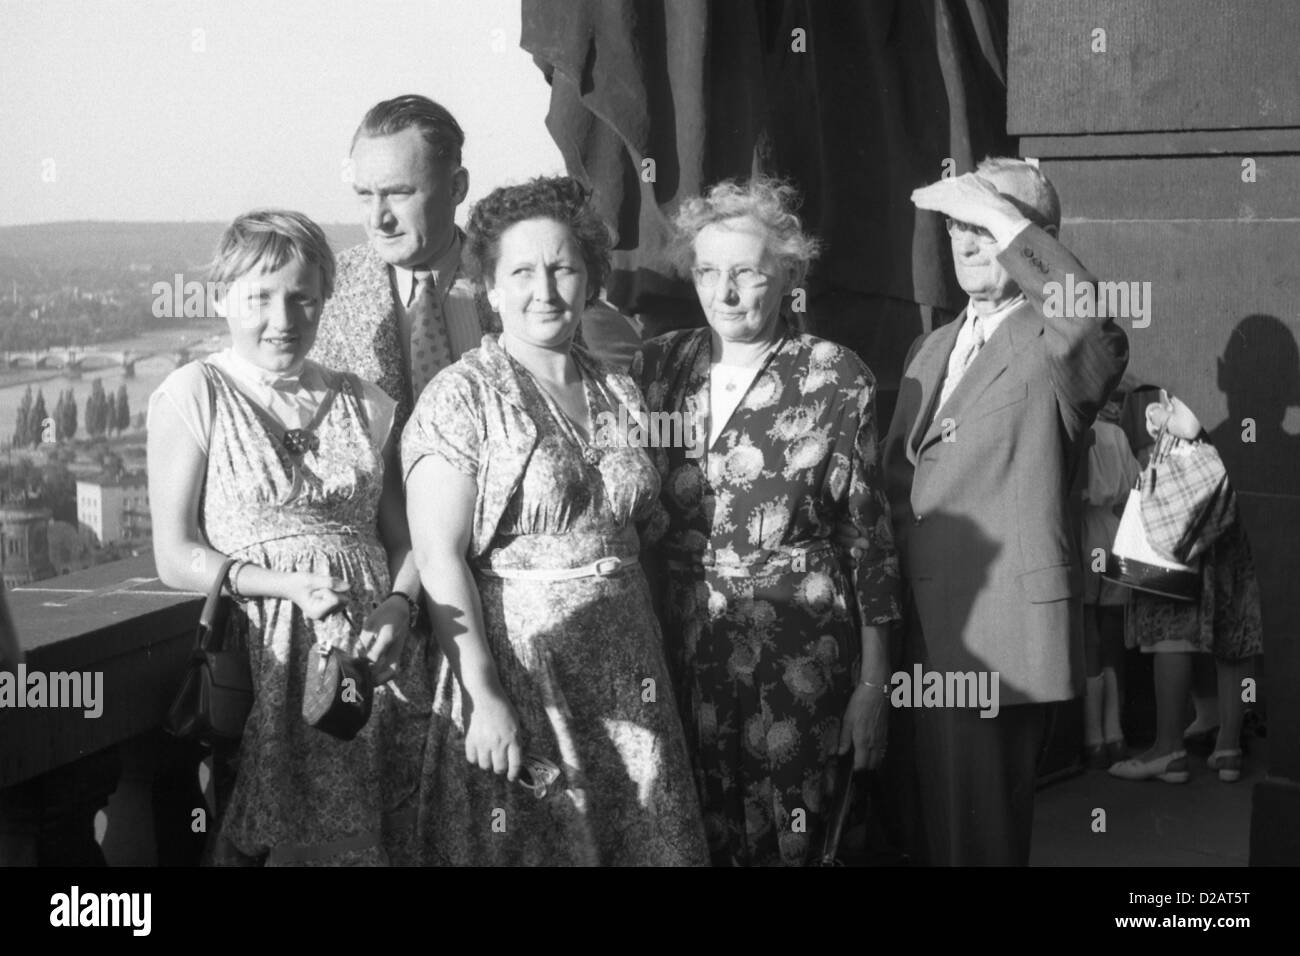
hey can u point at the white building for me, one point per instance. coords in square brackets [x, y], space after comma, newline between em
[114, 509]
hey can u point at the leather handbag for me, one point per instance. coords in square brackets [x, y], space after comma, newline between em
[339, 692]
[216, 693]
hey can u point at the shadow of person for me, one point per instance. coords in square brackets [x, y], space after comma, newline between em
[950, 592]
[1259, 375]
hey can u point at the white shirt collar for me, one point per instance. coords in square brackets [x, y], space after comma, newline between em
[994, 319]
[443, 268]
[288, 380]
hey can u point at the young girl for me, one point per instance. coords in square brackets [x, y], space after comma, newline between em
[262, 455]
[1111, 473]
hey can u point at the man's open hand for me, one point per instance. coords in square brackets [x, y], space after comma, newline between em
[974, 201]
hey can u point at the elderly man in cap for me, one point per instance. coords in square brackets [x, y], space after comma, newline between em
[993, 413]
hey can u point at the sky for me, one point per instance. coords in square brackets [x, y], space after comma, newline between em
[189, 110]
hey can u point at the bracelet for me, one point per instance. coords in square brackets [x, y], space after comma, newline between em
[413, 609]
[232, 579]
[883, 688]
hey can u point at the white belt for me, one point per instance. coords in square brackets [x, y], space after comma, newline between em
[602, 568]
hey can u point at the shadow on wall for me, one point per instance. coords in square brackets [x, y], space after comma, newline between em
[1259, 375]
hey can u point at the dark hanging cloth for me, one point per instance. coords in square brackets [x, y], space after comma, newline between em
[880, 95]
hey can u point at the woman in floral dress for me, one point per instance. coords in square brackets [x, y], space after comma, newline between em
[259, 454]
[555, 738]
[776, 635]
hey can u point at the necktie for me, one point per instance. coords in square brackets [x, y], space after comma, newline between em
[973, 345]
[430, 347]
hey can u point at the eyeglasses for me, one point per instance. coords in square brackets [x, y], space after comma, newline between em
[957, 227]
[743, 277]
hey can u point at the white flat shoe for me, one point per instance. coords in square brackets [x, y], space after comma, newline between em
[1171, 768]
[1227, 763]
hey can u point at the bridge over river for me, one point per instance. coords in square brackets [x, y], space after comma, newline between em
[76, 360]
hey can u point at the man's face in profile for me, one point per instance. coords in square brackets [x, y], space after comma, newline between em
[408, 197]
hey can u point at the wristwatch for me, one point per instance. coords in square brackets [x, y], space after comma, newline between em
[411, 605]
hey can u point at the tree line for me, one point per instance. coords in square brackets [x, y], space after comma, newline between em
[104, 414]
[58, 320]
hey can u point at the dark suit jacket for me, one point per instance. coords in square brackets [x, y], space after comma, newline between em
[980, 491]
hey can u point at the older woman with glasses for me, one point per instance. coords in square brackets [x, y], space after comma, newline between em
[554, 738]
[776, 633]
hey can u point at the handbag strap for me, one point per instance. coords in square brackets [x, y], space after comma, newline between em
[1146, 477]
[1162, 448]
[214, 597]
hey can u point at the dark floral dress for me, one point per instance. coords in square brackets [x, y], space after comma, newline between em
[581, 660]
[761, 613]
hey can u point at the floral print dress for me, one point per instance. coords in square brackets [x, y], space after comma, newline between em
[581, 660]
[761, 613]
[302, 797]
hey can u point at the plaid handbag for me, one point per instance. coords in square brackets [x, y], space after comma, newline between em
[1187, 502]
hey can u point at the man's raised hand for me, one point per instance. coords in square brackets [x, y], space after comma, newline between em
[972, 200]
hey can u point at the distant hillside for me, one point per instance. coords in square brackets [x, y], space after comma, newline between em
[152, 248]
[77, 283]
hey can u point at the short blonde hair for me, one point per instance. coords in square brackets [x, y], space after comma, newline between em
[265, 239]
[769, 201]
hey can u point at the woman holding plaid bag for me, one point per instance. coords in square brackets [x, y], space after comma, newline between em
[1224, 621]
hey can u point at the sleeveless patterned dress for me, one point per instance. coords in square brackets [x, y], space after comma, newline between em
[302, 797]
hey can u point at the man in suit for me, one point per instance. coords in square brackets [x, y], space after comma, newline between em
[404, 307]
[992, 415]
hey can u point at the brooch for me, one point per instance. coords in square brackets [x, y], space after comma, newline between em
[299, 441]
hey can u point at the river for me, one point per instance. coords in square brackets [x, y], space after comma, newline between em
[149, 373]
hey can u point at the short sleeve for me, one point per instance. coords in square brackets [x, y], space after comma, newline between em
[380, 410]
[448, 422]
[186, 390]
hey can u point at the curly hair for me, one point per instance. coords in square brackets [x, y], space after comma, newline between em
[559, 198]
[265, 239]
[770, 201]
